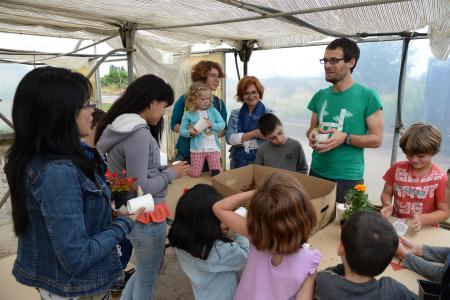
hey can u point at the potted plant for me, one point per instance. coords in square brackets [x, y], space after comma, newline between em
[123, 188]
[355, 199]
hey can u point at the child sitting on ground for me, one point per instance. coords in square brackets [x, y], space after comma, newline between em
[205, 144]
[417, 185]
[367, 246]
[208, 257]
[280, 220]
[281, 151]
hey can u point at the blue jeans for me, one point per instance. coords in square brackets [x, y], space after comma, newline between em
[148, 243]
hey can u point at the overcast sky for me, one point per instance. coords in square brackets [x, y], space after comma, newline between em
[292, 62]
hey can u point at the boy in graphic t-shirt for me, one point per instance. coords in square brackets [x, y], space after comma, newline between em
[417, 185]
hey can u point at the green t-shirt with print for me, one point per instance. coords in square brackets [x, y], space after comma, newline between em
[346, 111]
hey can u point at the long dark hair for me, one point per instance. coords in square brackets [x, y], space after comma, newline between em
[138, 95]
[44, 111]
[195, 227]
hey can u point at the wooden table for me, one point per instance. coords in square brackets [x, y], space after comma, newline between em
[327, 238]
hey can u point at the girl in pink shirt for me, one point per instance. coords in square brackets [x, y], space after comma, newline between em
[279, 221]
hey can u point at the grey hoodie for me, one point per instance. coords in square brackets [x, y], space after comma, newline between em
[130, 146]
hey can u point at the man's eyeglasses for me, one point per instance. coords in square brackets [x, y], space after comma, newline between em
[90, 105]
[251, 93]
[332, 60]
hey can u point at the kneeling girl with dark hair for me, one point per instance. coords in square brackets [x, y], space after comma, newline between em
[208, 257]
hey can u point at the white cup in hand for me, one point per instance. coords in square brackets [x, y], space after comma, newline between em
[400, 227]
[144, 201]
[201, 125]
[320, 138]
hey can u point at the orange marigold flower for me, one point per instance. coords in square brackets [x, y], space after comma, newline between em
[360, 188]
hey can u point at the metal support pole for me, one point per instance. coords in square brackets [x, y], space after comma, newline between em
[98, 86]
[104, 57]
[4, 198]
[245, 53]
[127, 34]
[5, 119]
[398, 128]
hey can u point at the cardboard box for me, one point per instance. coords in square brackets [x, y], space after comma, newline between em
[321, 192]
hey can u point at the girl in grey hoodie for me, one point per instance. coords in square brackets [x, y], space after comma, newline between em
[129, 134]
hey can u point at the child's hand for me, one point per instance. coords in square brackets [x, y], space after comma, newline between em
[208, 122]
[401, 250]
[181, 169]
[417, 222]
[386, 211]
[410, 246]
[193, 131]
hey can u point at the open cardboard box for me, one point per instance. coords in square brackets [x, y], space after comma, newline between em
[321, 192]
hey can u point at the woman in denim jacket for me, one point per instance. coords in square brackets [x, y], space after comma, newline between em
[129, 134]
[61, 209]
[209, 258]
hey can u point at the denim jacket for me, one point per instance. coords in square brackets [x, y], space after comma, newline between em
[68, 247]
[217, 276]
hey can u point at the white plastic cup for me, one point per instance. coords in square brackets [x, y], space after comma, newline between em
[242, 211]
[400, 227]
[143, 201]
[201, 125]
[320, 138]
[340, 208]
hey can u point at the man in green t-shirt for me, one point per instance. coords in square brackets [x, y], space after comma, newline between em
[350, 114]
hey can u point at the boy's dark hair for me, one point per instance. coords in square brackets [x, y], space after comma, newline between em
[421, 138]
[349, 47]
[369, 243]
[97, 116]
[267, 123]
[196, 227]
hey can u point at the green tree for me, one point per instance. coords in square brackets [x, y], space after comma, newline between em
[116, 78]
